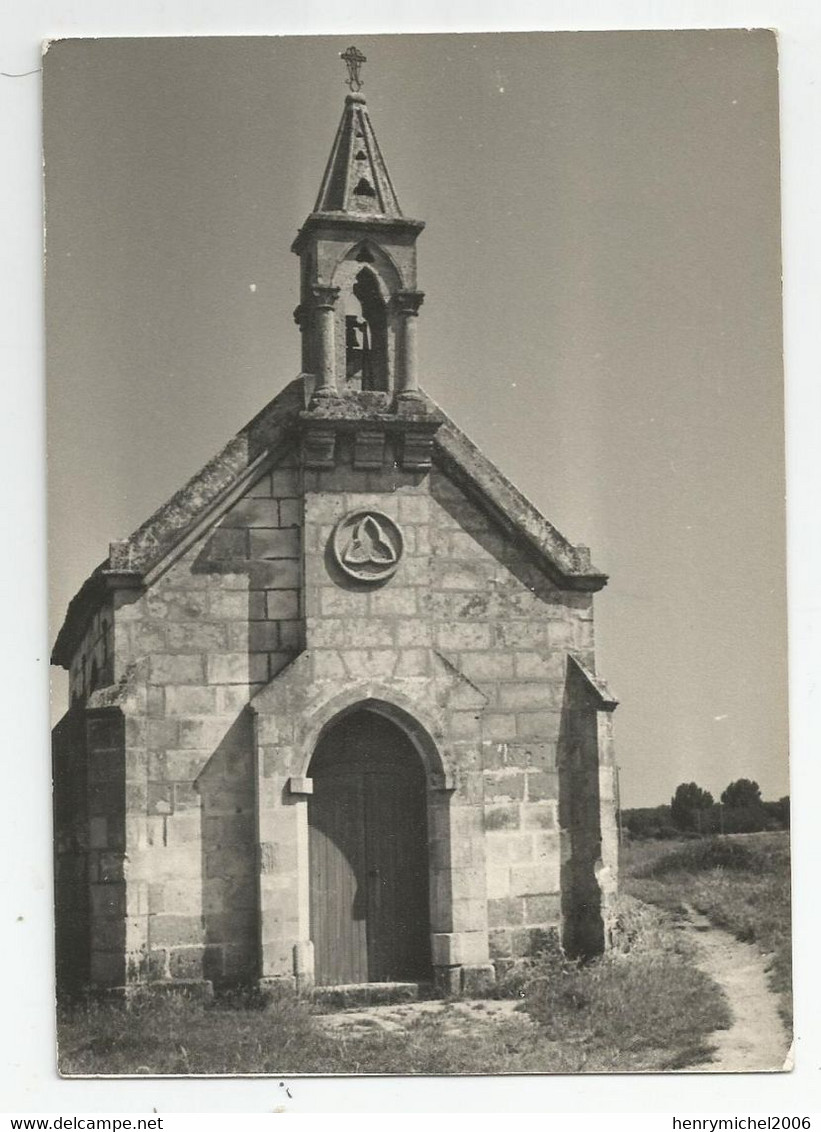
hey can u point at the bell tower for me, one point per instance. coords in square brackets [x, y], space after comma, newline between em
[358, 296]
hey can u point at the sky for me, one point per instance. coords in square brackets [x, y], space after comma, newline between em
[602, 274]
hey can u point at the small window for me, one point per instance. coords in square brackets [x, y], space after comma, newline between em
[364, 189]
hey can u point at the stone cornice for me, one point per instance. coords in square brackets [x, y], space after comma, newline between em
[99, 586]
[606, 700]
[460, 459]
[370, 417]
[339, 221]
[353, 410]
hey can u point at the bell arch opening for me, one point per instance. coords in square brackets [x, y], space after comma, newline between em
[368, 852]
[366, 334]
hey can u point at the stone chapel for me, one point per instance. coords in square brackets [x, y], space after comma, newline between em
[335, 717]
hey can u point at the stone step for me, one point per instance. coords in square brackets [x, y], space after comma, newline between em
[371, 994]
[200, 989]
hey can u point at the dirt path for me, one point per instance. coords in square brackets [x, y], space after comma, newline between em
[756, 1041]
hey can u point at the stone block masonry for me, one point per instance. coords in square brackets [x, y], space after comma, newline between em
[249, 643]
[463, 594]
[221, 622]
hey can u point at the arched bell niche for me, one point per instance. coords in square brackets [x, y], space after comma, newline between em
[366, 329]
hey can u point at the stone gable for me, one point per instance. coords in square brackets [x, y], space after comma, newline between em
[468, 634]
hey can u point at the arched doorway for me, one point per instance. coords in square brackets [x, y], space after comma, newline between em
[368, 847]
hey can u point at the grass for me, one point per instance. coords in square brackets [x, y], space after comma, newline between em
[178, 1036]
[741, 883]
[644, 1007]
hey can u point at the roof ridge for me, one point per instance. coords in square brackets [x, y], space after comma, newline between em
[459, 453]
[217, 476]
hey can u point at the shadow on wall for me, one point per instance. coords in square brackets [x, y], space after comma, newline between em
[580, 821]
[71, 887]
[229, 892]
[89, 813]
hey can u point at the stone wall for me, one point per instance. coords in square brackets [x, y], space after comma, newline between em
[90, 799]
[468, 642]
[465, 593]
[93, 664]
[212, 630]
[510, 629]
[71, 852]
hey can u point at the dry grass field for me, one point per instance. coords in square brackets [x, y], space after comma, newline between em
[740, 883]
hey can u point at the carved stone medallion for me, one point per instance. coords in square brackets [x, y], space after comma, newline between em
[367, 545]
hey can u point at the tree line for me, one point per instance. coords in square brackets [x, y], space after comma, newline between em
[693, 812]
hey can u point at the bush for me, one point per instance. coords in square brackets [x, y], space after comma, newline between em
[653, 1001]
[637, 927]
[655, 822]
[701, 855]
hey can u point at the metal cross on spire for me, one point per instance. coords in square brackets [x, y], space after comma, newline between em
[353, 60]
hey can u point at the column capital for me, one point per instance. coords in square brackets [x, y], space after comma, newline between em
[408, 302]
[324, 297]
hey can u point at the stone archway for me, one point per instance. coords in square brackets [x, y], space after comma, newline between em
[368, 853]
[292, 715]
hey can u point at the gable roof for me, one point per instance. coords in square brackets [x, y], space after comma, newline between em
[568, 564]
[135, 562]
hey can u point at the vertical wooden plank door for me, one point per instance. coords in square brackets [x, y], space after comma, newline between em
[368, 855]
[338, 879]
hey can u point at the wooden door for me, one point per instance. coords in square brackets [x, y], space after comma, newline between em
[368, 855]
[338, 879]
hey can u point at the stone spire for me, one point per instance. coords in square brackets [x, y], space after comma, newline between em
[358, 295]
[356, 179]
